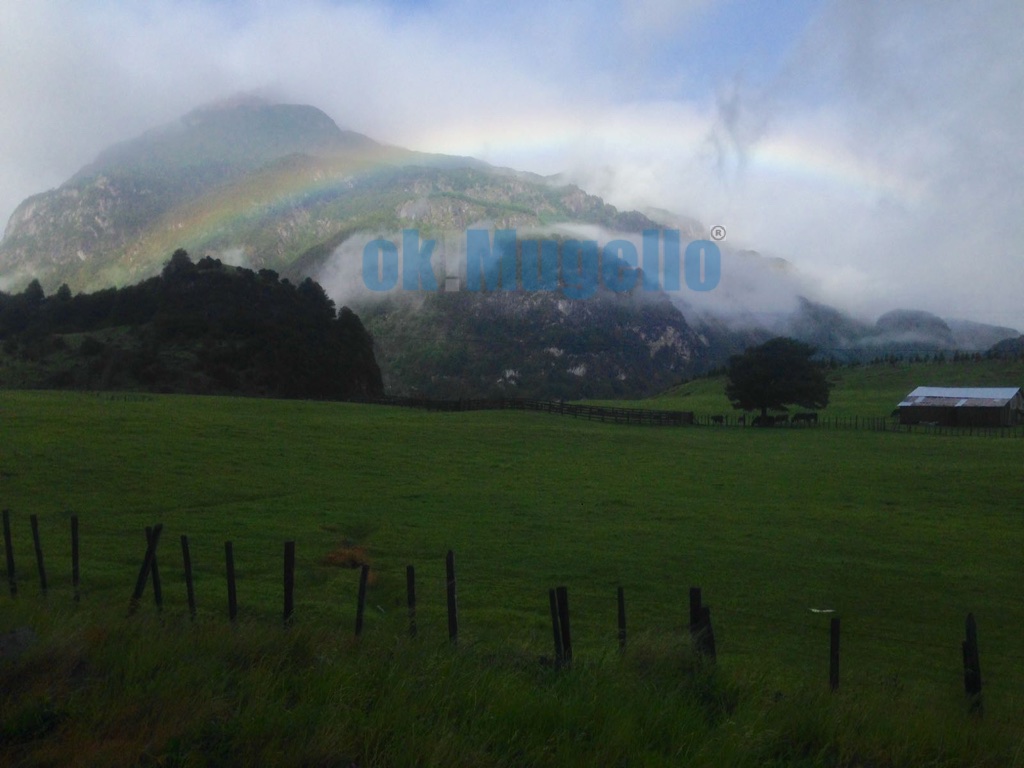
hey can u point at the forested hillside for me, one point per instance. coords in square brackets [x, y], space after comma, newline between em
[198, 327]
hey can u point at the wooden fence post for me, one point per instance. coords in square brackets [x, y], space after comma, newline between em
[453, 610]
[694, 609]
[186, 557]
[622, 619]
[707, 634]
[158, 595]
[410, 597]
[562, 593]
[152, 540]
[9, 550]
[289, 581]
[364, 573]
[37, 544]
[556, 629]
[74, 557]
[833, 655]
[229, 560]
[972, 665]
[700, 625]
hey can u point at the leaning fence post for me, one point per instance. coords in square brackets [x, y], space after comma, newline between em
[152, 539]
[833, 654]
[37, 544]
[453, 610]
[9, 550]
[972, 665]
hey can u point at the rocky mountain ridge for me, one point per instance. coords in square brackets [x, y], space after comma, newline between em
[281, 187]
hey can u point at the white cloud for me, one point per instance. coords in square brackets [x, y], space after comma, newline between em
[882, 155]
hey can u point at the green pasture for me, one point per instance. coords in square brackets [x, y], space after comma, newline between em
[864, 391]
[898, 534]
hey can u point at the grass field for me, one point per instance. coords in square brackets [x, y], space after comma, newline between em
[901, 535]
[863, 390]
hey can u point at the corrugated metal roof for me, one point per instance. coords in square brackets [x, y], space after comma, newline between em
[1004, 393]
[958, 397]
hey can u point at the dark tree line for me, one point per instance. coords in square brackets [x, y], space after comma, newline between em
[197, 327]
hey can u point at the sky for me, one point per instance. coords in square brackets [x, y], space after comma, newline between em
[876, 145]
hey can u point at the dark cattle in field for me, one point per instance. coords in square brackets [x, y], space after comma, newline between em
[718, 420]
[763, 421]
[806, 418]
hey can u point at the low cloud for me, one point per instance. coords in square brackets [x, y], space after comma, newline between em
[875, 146]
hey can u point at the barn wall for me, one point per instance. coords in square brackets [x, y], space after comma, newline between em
[915, 414]
[982, 417]
[950, 416]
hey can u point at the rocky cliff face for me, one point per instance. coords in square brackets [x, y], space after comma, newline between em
[532, 344]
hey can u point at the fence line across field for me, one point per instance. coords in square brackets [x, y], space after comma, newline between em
[701, 631]
[667, 418]
[576, 410]
[855, 423]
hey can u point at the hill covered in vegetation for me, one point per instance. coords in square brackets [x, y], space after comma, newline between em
[202, 328]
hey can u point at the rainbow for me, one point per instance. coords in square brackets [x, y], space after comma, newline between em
[663, 135]
[640, 138]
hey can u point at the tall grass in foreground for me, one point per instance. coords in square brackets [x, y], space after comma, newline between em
[114, 691]
[900, 534]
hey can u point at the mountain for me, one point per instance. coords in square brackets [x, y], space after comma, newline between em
[113, 221]
[976, 337]
[536, 344]
[1008, 348]
[824, 327]
[262, 184]
[281, 187]
[900, 332]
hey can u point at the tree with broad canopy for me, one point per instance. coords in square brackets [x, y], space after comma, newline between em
[776, 374]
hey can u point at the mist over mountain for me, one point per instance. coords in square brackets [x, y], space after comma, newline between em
[281, 187]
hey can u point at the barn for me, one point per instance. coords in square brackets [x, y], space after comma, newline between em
[963, 406]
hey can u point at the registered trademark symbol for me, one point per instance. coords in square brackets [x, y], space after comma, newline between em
[718, 232]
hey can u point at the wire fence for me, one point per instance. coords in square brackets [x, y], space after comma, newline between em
[650, 417]
[868, 632]
[865, 423]
[609, 414]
